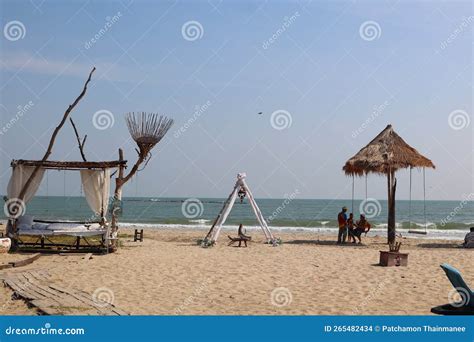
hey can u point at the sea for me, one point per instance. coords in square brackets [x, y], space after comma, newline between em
[439, 219]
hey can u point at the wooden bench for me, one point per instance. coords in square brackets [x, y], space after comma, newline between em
[239, 239]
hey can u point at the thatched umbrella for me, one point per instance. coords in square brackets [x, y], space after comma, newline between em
[384, 155]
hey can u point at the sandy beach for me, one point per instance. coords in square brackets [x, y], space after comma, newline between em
[168, 274]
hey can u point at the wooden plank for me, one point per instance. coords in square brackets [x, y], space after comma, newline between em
[19, 289]
[40, 275]
[44, 290]
[25, 261]
[46, 307]
[23, 284]
[87, 299]
[62, 298]
[51, 299]
[52, 164]
[79, 295]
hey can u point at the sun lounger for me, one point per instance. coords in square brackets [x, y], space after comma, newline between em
[467, 295]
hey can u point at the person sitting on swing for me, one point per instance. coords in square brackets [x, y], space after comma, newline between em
[362, 226]
[241, 194]
[242, 233]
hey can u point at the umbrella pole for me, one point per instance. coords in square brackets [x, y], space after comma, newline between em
[392, 186]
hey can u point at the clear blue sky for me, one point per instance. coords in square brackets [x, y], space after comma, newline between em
[321, 68]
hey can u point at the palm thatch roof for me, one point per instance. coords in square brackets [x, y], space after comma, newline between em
[387, 152]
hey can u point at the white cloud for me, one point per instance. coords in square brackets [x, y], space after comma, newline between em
[76, 67]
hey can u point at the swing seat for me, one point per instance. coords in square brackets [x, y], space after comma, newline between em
[414, 231]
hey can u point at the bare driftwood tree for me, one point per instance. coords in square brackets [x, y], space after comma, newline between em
[55, 133]
[52, 141]
[147, 130]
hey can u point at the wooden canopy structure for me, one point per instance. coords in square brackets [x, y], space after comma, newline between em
[146, 129]
[384, 155]
[70, 165]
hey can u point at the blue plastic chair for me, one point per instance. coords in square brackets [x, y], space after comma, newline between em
[458, 282]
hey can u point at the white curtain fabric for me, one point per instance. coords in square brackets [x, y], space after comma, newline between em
[96, 185]
[18, 179]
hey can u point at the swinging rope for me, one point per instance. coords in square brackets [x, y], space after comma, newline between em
[415, 231]
[409, 205]
[424, 197]
[366, 186]
[47, 191]
[352, 209]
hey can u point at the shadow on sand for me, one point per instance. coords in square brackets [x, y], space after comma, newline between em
[442, 245]
[322, 243]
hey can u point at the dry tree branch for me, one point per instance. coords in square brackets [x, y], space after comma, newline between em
[55, 133]
[79, 143]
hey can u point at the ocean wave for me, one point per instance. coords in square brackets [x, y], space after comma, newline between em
[200, 221]
[452, 234]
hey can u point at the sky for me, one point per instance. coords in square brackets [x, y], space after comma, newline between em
[327, 77]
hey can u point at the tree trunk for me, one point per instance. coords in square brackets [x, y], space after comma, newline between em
[117, 197]
[392, 186]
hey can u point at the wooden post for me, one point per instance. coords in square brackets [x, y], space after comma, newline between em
[210, 233]
[392, 186]
[117, 197]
